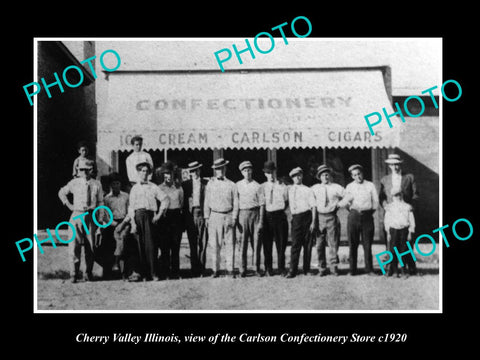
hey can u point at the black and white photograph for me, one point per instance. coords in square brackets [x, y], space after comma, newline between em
[226, 175]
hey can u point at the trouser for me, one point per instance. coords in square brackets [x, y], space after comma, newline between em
[360, 224]
[275, 229]
[301, 238]
[170, 237]
[120, 233]
[328, 234]
[146, 262]
[398, 240]
[197, 239]
[84, 235]
[221, 234]
[249, 221]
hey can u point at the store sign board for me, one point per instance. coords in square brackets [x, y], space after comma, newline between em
[270, 109]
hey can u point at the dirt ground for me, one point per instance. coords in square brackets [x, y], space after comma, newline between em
[305, 292]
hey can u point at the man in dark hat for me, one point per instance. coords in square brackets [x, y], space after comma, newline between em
[171, 224]
[327, 196]
[194, 223]
[361, 198]
[302, 206]
[144, 210]
[397, 180]
[221, 212]
[117, 202]
[276, 225]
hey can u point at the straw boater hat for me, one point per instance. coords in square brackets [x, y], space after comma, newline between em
[355, 166]
[244, 165]
[142, 164]
[85, 164]
[295, 171]
[321, 169]
[194, 166]
[269, 167]
[219, 163]
[394, 159]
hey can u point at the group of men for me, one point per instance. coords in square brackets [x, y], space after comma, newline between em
[226, 219]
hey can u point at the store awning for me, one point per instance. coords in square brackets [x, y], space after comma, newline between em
[254, 109]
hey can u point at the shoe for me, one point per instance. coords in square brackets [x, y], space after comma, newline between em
[115, 267]
[134, 277]
[323, 272]
[335, 271]
[290, 275]
[156, 278]
[269, 272]
[216, 274]
[243, 274]
[73, 279]
[89, 276]
[259, 273]
[371, 273]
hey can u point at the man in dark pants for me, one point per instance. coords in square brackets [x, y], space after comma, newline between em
[276, 225]
[171, 225]
[399, 181]
[144, 210]
[302, 207]
[362, 200]
[193, 220]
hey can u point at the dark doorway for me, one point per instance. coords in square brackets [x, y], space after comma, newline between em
[308, 159]
[236, 156]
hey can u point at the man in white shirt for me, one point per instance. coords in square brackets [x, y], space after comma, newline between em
[327, 196]
[87, 195]
[117, 202]
[302, 207]
[361, 198]
[275, 219]
[250, 217]
[221, 213]
[400, 225]
[136, 157]
[171, 224]
[145, 212]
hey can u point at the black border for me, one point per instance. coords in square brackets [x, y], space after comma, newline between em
[426, 332]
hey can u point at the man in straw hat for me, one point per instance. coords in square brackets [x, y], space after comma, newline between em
[361, 198]
[144, 210]
[250, 216]
[194, 222]
[221, 211]
[327, 196]
[302, 207]
[276, 225]
[395, 181]
[87, 195]
[171, 224]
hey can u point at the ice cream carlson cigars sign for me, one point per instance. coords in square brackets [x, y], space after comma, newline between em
[249, 136]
